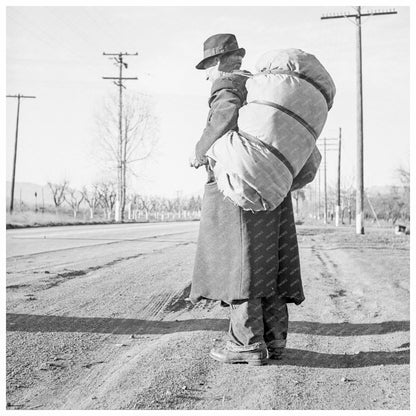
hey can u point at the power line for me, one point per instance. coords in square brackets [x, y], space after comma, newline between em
[76, 29]
[54, 43]
[19, 97]
[103, 26]
[359, 223]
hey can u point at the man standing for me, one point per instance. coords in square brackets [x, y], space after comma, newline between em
[249, 261]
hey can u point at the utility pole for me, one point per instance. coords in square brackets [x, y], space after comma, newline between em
[325, 194]
[359, 223]
[372, 209]
[310, 206]
[18, 96]
[326, 149]
[315, 209]
[122, 145]
[319, 193]
[314, 199]
[338, 206]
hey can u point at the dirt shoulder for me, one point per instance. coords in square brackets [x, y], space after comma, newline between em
[120, 336]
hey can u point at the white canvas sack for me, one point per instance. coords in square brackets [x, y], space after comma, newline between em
[274, 149]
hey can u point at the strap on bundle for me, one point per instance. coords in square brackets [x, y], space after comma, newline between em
[291, 73]
[271, 149]
[289, 113]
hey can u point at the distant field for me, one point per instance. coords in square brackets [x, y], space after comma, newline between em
[33, 219]
[30, 218]
[37, 219]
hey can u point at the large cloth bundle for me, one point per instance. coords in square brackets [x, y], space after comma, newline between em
[274, 149]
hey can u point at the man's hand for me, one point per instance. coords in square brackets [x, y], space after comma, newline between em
[195, 163]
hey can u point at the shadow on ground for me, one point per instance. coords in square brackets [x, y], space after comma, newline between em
[304, 358]
[295, 357]
[53, 323]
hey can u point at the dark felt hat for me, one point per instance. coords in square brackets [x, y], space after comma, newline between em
[217, 45]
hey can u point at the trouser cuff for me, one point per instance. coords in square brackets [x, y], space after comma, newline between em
[280, 343]
[231, 346]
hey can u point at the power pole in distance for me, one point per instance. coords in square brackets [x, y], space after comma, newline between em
[18, 96]
[319, 193]
[325, 193]
[326, 149]
[359, 223]
[121, 162]
[338, 206]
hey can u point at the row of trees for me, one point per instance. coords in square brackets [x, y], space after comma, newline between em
[100, 199]
[391, 205]
[121, 144]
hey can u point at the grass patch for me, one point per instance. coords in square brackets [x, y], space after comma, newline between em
[37, 219]
[28, 219]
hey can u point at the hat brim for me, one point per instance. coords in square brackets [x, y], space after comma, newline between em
[203, 63]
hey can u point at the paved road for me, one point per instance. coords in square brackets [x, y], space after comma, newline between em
[47, 239]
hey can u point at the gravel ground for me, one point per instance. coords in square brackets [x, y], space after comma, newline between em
[108, 327]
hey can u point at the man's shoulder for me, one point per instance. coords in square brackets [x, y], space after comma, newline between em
[234, 81]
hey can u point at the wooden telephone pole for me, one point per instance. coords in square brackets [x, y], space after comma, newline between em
[359, 223]
[328, 146]
[121, 162]
[338, 205]
[18, 96]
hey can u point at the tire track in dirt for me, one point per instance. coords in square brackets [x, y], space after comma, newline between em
[55, 279]
[114, 241]
[328, 270]
[169, 367]
[167, 304]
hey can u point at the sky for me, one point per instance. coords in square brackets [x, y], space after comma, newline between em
[56, 54]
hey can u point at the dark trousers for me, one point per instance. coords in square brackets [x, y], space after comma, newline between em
[257, 323]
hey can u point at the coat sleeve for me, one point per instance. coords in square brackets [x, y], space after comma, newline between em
[223, 116]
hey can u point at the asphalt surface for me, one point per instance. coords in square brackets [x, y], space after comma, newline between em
[27, 241]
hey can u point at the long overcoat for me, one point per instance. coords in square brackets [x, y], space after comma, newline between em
[240, 254]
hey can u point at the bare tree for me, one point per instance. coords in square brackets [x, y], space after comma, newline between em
[194, 205]
[140, 135]
[107, 197]
[74, 199]
[404, 176]
[92, 198]
[299, 193]
[58, 191]
[130, 201]
[139, 205]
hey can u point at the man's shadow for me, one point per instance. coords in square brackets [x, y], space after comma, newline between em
[304, 358]
[295, 357]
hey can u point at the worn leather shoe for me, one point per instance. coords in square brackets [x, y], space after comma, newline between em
[255, 357]
[275, 353]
